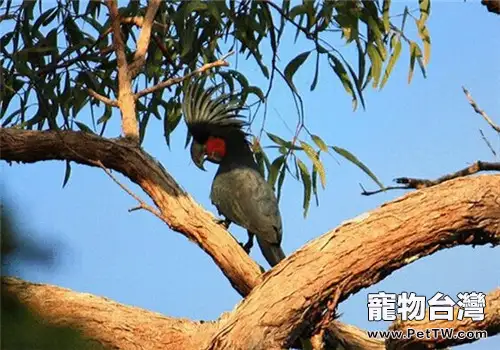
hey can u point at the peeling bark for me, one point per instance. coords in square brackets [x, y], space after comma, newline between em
[179, 211]
[360, 253]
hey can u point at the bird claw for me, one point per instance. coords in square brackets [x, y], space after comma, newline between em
[224, 222]
[247, 247]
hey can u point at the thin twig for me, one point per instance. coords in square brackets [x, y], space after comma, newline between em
[104, 99]
[480, 111]
[412, 183]
[488, 143]
[142, 204]
[369, 193]
[172, 81]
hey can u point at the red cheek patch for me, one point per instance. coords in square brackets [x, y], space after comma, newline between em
[217, 146]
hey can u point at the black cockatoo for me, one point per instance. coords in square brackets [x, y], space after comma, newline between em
[239, 191]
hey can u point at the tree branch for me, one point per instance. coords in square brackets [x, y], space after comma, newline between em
[480, 111]
[144, 38]
[292, 297]
[492, 5]
[360, 253]
[172, 81]
[103, 99]
[126, 101]
[178, 210]
[126, 327]
[409, 183]
[491, 324]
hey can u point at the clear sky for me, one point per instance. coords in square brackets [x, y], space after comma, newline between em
[425, 129]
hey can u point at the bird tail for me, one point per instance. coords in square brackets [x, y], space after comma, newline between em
[271, 251]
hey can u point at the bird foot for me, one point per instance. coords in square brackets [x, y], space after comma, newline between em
[247, 247]
[224, 222]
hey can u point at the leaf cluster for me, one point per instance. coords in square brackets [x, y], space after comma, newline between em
[57, 51]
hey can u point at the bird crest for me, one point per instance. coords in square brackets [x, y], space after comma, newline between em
[210, 112]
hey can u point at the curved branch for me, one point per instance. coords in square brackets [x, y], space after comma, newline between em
[292, 297]
[178, 210]
[144, 38]
[490, 324]
[360, 253]
[126, 327]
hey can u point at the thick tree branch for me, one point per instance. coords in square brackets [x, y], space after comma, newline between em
[128, 327]
[358, 254]
[112, 324]
[492, 5]
[491, 324]
[178, 210]
[293, 295]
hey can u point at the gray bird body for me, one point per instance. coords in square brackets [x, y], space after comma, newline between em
[239, 191]
[243, 196]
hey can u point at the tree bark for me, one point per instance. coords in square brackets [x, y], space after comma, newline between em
[178, 210]
[289, 301]
[360, 253]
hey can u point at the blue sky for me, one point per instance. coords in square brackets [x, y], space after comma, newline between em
[424, 130]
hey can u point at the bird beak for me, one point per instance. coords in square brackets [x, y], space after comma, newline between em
[198, 154]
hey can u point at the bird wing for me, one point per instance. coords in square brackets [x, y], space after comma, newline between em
[243, 196]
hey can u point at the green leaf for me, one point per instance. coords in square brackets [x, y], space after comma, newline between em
[106, 115]
[73, 31]
[276, 165]
[353, 159]
[376, 59]
[311, 153]
[341, 73]
[396, 44]
[261, 157]
[279, 141]
[292, 67]
[425, 10]
[83, 127]
[306, 180]
[11, 116]
[297, 10]
[257, 92]
[194, 6]
[281, 180]
[385, 11]
[44, 16]
[377, 34]
[142, 126]
[316, 73]
[315, 184]
[320, 143]
[171, 119]
[414, 54]
[424, 34]
[67, 173]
